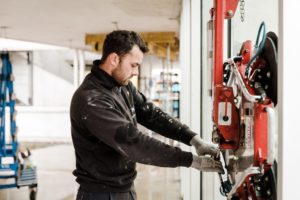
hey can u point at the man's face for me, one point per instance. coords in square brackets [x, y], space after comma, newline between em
[128, 66]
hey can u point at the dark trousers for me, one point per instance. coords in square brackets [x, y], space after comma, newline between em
[83, 195]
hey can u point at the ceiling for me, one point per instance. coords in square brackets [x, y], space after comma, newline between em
[66, 22]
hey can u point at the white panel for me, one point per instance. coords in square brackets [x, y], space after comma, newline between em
[75, 69]
[195, 85]
[208, 179]
[43, 124]
[55, 62]
[50, 90]
[185, 87]
[22, 73]
[185, 63]
[206, 75]
[288, 98]
[195, 78]
[81, 60]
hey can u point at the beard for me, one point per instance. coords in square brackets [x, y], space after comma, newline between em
[123, 82]
[120, 76]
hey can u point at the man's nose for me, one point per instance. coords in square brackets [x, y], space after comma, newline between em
[135, 72]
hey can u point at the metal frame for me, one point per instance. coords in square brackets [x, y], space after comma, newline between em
[18, 171]
[229, 118]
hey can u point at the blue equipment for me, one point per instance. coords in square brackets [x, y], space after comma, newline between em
[14, 168]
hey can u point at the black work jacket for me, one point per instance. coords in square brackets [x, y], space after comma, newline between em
[104, 117]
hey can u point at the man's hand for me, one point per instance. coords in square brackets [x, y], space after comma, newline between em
[207, 164]
[203, 148]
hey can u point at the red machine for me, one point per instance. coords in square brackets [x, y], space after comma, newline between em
[244, 95]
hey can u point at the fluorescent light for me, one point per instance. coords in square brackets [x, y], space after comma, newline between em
[18, 45]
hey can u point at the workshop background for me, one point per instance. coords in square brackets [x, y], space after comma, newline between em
[52, 44]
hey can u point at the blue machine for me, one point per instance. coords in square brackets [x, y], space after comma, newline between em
[14, 168]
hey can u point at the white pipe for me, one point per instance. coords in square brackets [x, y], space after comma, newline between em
[75, 69]
[231, 78]
[271, 135]
[81, 66]
[241, 179]
[248, 96]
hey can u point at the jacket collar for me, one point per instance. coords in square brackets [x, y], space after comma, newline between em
[105, 79]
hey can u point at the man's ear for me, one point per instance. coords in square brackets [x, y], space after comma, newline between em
[114, 59]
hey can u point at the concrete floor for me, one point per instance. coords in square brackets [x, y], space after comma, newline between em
[55, 164]
[154, 183]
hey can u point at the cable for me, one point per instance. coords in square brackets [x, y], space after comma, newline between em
[258, 46]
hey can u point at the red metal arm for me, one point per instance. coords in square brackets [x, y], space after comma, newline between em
[223, 9]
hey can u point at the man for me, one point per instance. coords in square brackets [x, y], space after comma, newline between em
[104, 114]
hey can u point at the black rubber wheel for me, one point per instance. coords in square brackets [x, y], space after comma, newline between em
[235, 198]
[269, 183]
[273, 181]
[32, 193]
[269, 54]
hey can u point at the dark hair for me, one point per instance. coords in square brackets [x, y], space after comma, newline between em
[121, 42]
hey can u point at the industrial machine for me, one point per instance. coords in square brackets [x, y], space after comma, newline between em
[16, 168]
[244, 99]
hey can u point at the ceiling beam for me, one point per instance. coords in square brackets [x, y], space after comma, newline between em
[157, 42]
[158, 37]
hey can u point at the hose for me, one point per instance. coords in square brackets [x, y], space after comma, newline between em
[258, 46]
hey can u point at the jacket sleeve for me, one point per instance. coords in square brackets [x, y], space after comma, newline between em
[110, 126]
[156, 120]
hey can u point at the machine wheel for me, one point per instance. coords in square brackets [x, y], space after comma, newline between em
[267, 184]
[267, 76]
[272, 183]
[32, 192]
